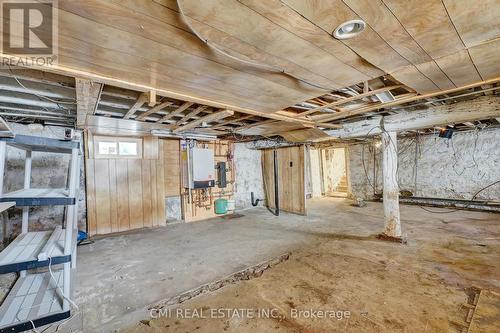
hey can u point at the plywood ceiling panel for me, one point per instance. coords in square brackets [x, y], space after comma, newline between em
[381, 19]
[328, 14]
[475, 21]
[428, 23]
[431, 70]
[486, 58]
[288, 19]
[164, 14]
[237, 19]
[459, 68]
[93, 19]
[411, 77]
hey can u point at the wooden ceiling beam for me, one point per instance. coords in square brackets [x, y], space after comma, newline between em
[206, 119]
[378, 106]
[485, 107]
[88, 94]
[143, 98]
[179, 110]
[155, 109]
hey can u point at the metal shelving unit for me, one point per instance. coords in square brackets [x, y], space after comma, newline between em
[38, 299]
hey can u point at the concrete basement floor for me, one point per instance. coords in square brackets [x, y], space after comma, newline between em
[336, 264]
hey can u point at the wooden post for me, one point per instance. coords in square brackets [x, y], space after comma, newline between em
[391, 190]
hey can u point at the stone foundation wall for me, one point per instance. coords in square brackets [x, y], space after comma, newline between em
[433, 167]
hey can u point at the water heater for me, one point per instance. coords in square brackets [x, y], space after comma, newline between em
[199, 168]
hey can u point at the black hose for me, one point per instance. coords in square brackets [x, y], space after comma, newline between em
[255, 202]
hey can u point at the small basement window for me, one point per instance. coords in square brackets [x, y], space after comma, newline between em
[117, 147]
[107, 148]
[127, 148]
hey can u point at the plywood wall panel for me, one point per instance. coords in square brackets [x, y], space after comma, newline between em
[154, 194]
[146, 193]
[102, 196]
[135, 193]
[122, 196]
[129, 193]
[291, 179]
[113, 195]
[90, 191]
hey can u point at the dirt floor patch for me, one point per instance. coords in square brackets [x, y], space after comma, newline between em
[369, 286]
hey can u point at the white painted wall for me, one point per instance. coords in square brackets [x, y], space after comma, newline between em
[333, 168]
[248, 175]
[314, 155]
[452, 169]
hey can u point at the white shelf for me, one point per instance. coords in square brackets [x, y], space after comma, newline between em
[39, 197]
[34, 299]
[6, 205]
[36, 143]
[22, 253]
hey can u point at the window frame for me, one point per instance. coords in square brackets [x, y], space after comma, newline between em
[118, 140]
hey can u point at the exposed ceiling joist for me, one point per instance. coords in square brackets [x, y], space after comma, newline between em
[143, 98]
[378, 106]
[153, 110]
[206, 119]
[177, 111]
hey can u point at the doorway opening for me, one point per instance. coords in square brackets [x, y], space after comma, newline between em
[334, 172]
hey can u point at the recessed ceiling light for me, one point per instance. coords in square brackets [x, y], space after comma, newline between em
[349, 29]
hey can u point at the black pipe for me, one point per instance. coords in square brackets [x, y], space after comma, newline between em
[255, 202]
[276, 185]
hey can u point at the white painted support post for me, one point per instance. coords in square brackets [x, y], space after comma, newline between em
[27, 185]
[391, 190]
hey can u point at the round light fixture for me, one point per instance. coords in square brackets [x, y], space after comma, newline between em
[349, 29]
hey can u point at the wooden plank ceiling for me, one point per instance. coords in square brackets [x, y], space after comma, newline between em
[426, 45]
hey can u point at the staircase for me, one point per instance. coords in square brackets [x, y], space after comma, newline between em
[342, 186]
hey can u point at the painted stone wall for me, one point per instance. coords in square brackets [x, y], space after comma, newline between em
[248, 175]
[48, 170]
[315, 166]
[333, 168]
[434, 167]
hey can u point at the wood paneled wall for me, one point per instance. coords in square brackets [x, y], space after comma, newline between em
[125, 194]
[292, 196]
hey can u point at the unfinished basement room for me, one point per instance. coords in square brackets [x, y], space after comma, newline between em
[241, 166]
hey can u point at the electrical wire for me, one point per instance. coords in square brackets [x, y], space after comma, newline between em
[262, 66]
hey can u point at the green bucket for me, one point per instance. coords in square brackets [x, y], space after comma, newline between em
[220, 206]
